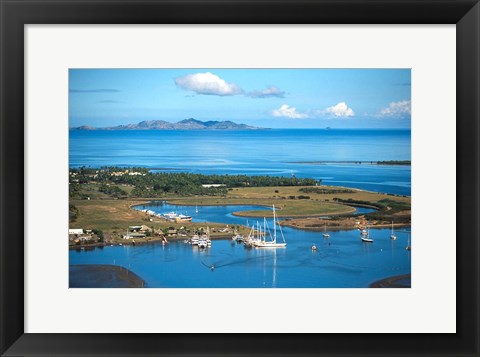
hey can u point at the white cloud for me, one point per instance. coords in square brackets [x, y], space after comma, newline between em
[288, 112]
[340, 110]
[397, 109]
[207, 83]
[271, 91]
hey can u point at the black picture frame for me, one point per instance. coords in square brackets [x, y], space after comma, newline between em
[15, 14]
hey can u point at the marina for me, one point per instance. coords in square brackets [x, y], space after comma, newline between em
[342, 261]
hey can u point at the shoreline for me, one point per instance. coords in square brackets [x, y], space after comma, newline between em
[397, 281]
[239, 213]
[343, 228]
[129, 242]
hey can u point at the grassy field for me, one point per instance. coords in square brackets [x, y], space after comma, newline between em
[282, 197]
[287, 208]
[278, 192]
[107, 215]
[114, 216]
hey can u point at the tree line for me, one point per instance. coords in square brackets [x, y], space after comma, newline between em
[148, 183]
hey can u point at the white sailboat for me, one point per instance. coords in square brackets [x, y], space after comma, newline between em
[273, 242]
[392, 236]
[196, 209]
[248, 241]
[408, 247]
[366, 238]
[204, 239]
[325, 234]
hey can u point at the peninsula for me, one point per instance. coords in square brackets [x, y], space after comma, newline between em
[102, 202]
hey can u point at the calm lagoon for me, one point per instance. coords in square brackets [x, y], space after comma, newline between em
[341, 261]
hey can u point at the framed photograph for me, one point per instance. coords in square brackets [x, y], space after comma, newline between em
[294, 172]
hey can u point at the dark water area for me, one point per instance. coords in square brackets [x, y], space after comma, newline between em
[103, 276]
[329, 155]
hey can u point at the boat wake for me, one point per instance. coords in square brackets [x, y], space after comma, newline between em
[224, 263]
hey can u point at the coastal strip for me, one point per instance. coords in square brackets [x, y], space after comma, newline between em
[398, 281]
[103, 276]
[387, 162]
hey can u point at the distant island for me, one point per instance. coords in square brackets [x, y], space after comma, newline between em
[186, 124]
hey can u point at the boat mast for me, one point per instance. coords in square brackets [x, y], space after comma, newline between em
[264, 228]
[274, 226]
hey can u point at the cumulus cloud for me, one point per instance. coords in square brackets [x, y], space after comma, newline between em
[208, 84]
[397, 109]
[340, 110]
[271, 91]
[288, 112]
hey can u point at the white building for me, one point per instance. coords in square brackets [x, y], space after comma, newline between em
[75, 231]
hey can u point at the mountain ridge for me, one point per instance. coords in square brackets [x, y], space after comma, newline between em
[185, 124]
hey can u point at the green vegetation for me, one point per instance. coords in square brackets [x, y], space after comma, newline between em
[359, 203]
[163, 184]
[99, 234]
[72, 213]
[101, 200]
[387, 208]
[323, 191]
[113, 191]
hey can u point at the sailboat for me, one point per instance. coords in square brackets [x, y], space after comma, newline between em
[248, 241]
[209, 242]
[408, 247]
[273, 242]
[325, 234]
[366, 238]
[196, 209]
[392, 236]
[204, 239]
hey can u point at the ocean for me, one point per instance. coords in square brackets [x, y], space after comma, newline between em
[330, 155]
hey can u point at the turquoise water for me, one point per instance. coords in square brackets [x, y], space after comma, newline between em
[344, 263]
[340, 261]
[219, 214]
[263, 152]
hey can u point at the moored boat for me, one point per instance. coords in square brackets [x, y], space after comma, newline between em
[325, 233]
[194, 239]
[366, 238]
[392, 235]
[238, 237]
[273, 242]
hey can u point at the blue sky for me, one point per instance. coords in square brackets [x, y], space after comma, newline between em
[273, 98]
